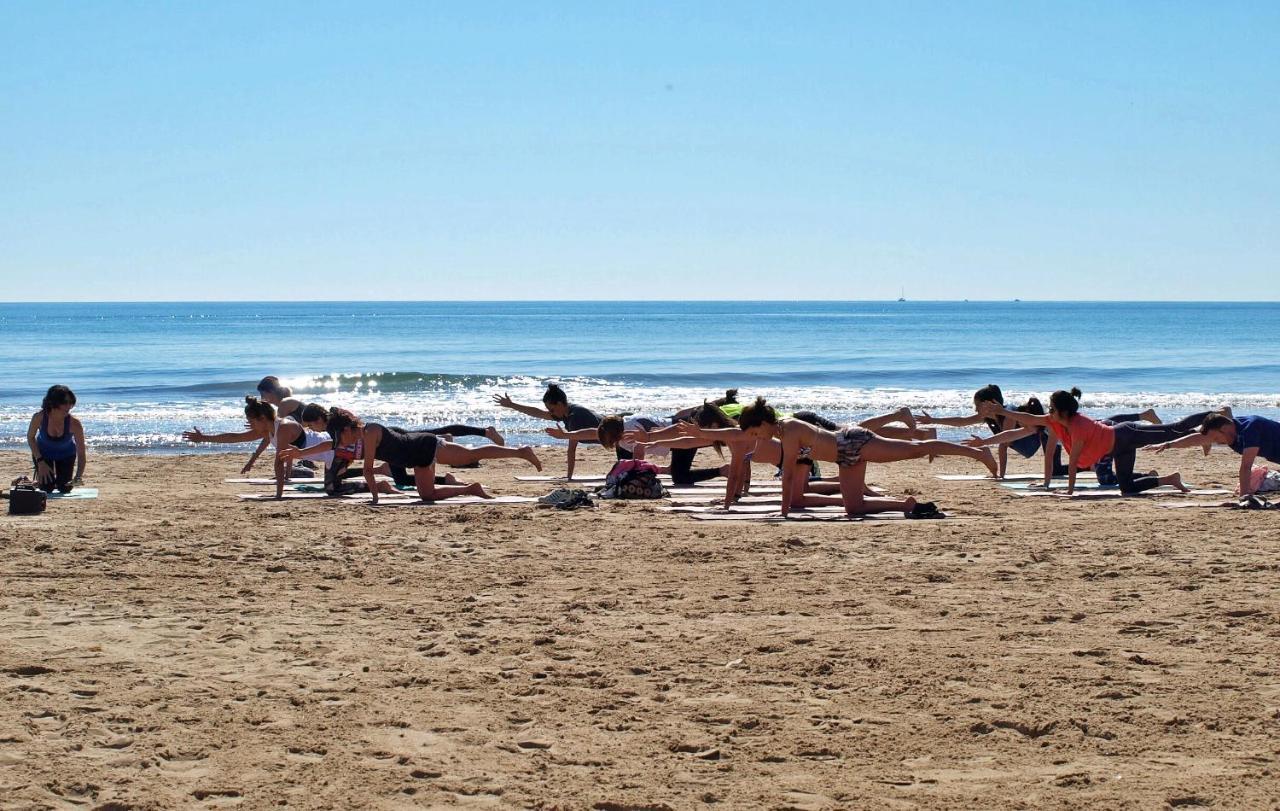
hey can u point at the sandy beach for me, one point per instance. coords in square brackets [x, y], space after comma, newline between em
[168, 646]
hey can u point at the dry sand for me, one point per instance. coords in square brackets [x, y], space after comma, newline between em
[168, 646]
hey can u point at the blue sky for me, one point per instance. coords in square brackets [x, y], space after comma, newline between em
[642, 150]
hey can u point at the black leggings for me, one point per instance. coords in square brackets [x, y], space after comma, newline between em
[1133, 435]
[816, 420]
[451, 430]
[63, 473]
[682, 472]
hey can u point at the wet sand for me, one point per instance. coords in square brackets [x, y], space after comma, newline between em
[169, 646]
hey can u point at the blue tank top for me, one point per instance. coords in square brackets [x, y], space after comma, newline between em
[56, 448]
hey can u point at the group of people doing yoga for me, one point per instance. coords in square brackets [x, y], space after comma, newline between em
[310, 433]
[794, 444]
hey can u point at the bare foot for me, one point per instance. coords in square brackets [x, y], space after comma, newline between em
[449, 478]
[1175, 481]
[905, 417]
[989, 460]
[492, 434]
[1226, 412]
[527, 454]
[1150, 416]
[477, 489]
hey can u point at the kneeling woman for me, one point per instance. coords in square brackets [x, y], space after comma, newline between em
[851, 449]
[1090, 441]
[56, 440]
[354, 439]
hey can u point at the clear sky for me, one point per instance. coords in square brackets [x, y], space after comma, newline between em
[686, 150]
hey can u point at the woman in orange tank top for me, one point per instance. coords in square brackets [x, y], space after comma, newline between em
[1089, 441]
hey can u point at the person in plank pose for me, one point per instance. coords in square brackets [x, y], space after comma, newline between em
[557, 408]
[56, 440]
[355, 439]
[1089, 441]
[264, 425]
[616, 433]
[851, 448]
[712, 423]
[1249, 436]
[1026, 441]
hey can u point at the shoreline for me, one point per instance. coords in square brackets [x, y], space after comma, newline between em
[167, 645]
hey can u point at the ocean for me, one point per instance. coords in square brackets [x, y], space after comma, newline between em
[144, 372]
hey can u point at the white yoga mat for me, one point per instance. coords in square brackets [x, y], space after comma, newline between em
[1012, 477]
[76, 494]
[398, 499]
[1100, 494]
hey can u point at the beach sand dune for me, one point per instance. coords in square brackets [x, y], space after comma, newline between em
[169, 646]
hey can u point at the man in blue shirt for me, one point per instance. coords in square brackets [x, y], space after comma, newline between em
[1250, 437]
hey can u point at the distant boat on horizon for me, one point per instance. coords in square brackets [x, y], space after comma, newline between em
[903, 295]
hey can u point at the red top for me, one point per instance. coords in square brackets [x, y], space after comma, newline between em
[1097, 437]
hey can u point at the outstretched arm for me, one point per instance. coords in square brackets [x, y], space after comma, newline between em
[580, 435]
[956, 422]
[230, 438]
[505, 401]
[1002, 438]
[1020, 417]
[1188, 441]
[715, 434]
[290, 453]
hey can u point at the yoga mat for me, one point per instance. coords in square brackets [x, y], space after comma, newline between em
[814, 516]
[1207, 505]
[76, 494]
[457, 501]
[577, 479]
[751, 509]
[1058, 485]
[774, 519]
[312, 480]
[712, 492]
[1012, 477]
[1097, 494]
[391, 500]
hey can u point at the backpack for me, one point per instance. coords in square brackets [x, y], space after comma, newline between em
[1264, 480]
[633, 478]
[26, 499]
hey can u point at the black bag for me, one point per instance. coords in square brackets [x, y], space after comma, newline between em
[26, 499]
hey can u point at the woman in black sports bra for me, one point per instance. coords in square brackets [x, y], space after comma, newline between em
[355, 439]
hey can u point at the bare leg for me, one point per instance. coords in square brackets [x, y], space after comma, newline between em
[898, 432]
[822, 487]
[902, 415]
[428, 490]
[449, 453]
[882, 450]
[853, 487]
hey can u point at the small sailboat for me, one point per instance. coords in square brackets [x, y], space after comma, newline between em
[903, 295]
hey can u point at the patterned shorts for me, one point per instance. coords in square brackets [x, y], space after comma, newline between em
[849, 443]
